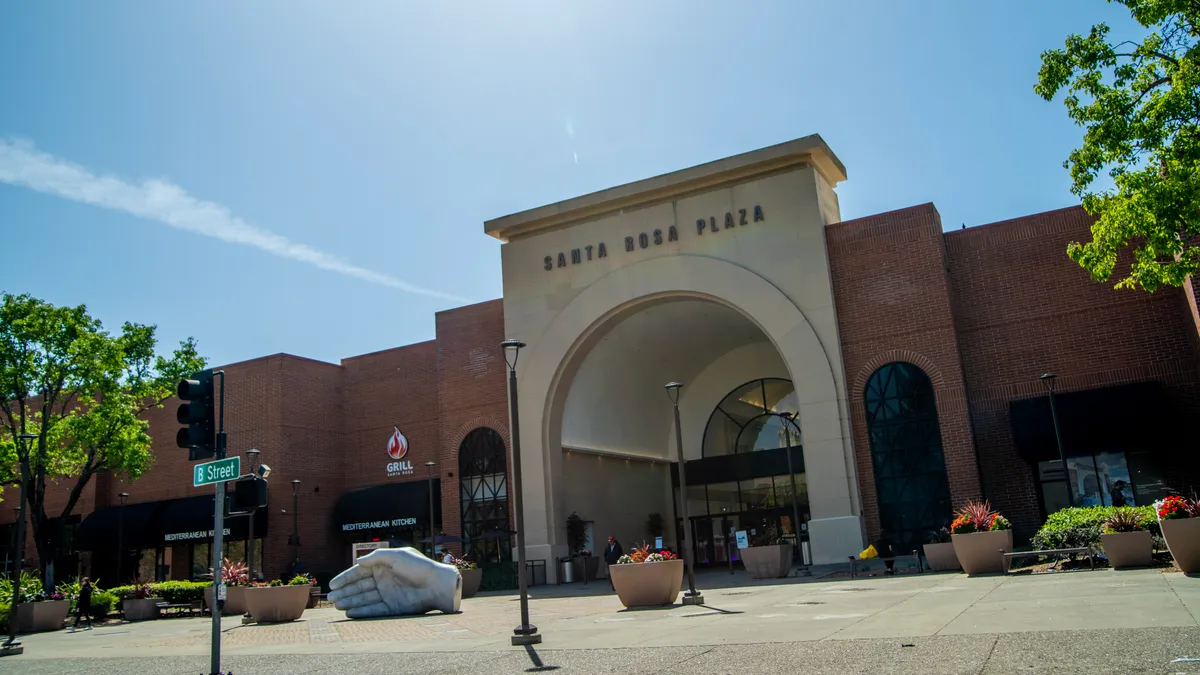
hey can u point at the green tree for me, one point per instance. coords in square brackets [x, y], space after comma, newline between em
[82, 391]
[1139, 103]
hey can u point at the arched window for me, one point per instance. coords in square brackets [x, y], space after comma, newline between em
[748, 419]
[483, 483]
[906, 453]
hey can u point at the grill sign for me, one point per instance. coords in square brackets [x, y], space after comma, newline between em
[397, 449]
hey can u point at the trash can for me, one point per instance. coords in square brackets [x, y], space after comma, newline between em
[566, 570]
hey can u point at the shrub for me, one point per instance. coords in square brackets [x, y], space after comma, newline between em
[978, 517]
[302, 580]
[181, 592]
[122, 592]
[31, 587]
[1175, 506]
[103, 603]
[1126, 519]
[4, 616]
[1082, 526]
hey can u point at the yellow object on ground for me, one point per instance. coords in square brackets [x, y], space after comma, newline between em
[870, 552]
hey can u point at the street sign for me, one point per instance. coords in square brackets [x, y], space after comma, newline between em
[217, 472]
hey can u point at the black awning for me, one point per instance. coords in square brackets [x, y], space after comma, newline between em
[191, 519]
[135, 522]
[1123, 417]
[153, 524]
[388, 507]
[740, 466]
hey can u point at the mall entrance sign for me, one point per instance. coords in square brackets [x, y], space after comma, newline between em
[217, 472]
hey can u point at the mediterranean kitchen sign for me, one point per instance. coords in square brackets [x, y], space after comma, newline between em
[711, 225]
[379, 524]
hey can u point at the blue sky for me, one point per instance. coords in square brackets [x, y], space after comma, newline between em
[350, 152]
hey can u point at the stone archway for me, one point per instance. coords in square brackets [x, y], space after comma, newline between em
[548, 364]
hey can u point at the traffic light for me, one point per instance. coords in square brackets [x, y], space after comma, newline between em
[197, 414]
[249, 493]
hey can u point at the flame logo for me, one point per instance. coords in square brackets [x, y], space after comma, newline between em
[397, 446]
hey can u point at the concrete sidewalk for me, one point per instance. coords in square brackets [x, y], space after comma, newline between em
[939, 612]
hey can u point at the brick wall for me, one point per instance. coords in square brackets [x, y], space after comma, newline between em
[893, 304]
[472, 390]
[1024, 308]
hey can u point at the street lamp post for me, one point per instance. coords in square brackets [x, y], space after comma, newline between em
[788, 420]
[429, 485]
[1048, 380]
[526, 633]
[12, 645]
[121, 537]
[251, 456]
[692, 597]
[295, 542]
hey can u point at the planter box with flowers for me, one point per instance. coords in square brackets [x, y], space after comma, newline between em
[1126, 540]
[645, 579]
[981, 536]
[142, 606]
[1180, 521]
[236, 577]
[42, 612]
[277, 602]
[939, 552]
[472, 575]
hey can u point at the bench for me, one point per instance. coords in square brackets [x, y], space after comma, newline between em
[1008, 557]
[188, 607]
[914, 556]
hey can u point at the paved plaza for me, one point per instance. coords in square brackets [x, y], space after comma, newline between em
[1101, 621]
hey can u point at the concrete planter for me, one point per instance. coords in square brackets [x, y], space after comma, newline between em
[140, 609]
[941, 557]
[647, 584]
[588, 567]
[314, 596]
[979, 552]
[1128, 549]
[235, 600]
[768, 562]
[38, 617]
[1183, 540]
[470, 581]
[276, 604]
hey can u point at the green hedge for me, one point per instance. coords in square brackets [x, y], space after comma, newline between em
[1082, 526]
[174, 592]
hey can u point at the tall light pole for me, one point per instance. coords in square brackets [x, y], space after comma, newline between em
[12, 645]
[526, 633]
[692, 597]
[121, 537]
[429, 483]
[295, 542]
[251, 457]
[788, 420]
[1048, 380]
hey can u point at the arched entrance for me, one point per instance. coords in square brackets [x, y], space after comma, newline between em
[679, 313]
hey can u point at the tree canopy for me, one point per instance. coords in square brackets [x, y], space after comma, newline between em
[1139, 103]
[81, 391]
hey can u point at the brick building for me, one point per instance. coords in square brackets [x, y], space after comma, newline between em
[839, 376]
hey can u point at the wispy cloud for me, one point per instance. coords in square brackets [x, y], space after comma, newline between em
[23, 165]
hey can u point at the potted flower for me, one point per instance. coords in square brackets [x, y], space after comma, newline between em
[472, 575]
[39, 611]
[1180, 520]
[939, 552]
[981, 536]
[1126, 540]
[766, 559]
[143, 605]
[236, 577]
[647, 579]
[276, 602]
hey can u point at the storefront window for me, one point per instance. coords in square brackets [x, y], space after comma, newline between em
[1100, 479]
[483, 481]
[201, 561]
[750, 418]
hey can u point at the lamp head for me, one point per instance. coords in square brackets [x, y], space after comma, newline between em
[29, 437]
[123, 496]
[430, 463]
[254, 452]
[673, 390]
[513, 347]
[1048, 380]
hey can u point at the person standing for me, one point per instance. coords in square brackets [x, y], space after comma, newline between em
[612, 553]
[83, 604]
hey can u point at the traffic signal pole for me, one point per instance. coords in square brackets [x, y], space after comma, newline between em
[218, 540]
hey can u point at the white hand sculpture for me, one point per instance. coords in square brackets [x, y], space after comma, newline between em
[396, 582]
